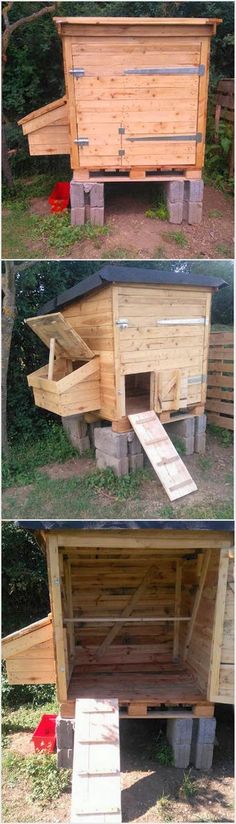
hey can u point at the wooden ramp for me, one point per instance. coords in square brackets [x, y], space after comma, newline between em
[96, 794]
[164, 458]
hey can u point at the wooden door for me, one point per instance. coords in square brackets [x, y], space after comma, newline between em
[136, 100]
[170, 390]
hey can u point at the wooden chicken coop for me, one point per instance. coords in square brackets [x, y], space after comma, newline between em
[141, 625]
[129, 346]
[135, 104]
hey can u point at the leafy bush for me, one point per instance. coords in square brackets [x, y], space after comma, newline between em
[31, 695]
[47, 782]
[163, 751]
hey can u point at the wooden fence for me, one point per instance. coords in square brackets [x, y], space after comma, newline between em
[220, 381]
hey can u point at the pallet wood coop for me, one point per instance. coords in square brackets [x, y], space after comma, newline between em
[135, 104]
[142, 626]
[130, 346]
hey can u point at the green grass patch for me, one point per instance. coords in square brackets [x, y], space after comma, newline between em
[177, 236]
[179, 444]
[188, 787]
[26, 717]
[24, 457]
[224, 251]
[46, 782]
[163, 752]
[223, 436]
[160, 253]
[158, 208]
[215, 213]
[57, 232]
[119, 252]
[204, 462]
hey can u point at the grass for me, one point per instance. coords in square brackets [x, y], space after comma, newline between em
[163, 752]
[224, 251]
[164, 807]
[44, 780]
[215, 213]
[119, 252]
[223, 436]
[188, 787]
[205, 463]
[36, 234]
[160, 253]
[177, 236]
[26, 456]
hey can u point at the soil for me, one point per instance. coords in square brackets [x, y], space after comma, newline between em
[70, 469]
[134, 235]
[150, 792]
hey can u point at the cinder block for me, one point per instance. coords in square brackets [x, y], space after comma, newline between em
[184, 428]
[194, 190]
[76, 194]
[175, 212]
[77, 216]
[200, 443]
[97, 215]
[76, 429]
[194, 213]
[91, 430]
[188, 445]
[65, 759]
[134, 445]
[135, 462]
[203, 743]
[179, 731]
[175, 191]
[111, 443]
[181, 753]
[97, 195]
[200, 424]
[64, 733]
[120, 466]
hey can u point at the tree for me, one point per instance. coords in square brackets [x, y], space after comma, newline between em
[8, 30]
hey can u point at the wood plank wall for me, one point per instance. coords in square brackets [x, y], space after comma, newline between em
[200, 647]
[220, 382]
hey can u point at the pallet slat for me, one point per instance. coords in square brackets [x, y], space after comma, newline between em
[164, 458]
[220, 400]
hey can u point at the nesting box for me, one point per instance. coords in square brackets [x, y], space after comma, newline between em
[136, 96]
[141, 615]
[142, 336]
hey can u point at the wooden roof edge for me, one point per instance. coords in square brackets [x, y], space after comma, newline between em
[43, 110]
[156, 21]
[43, 622]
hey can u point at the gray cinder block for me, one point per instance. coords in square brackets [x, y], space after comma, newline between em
[200, 424]
[200, 443]
[135, 462]
[97, 215]
[175, 191]
[175, 212]
[203, 743]
[194, 190]
[76, 429]
[194, 213]
[64, 733]
[65, 759]
[134, 445]
[120, 466]
[77, 216]
[97, 195]
[76, 194]
[111, 443]
[179, 735]
[184, 428]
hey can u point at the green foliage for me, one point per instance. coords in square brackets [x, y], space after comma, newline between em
[24, 579]
[215, 213]
[56, 229]
[19, 715]
[179, 444]
[26, 455]
[163, 751]
[177, 236]
[124, 487]
[218, 152]
[223, 436]
[46, 782]
[188, 787]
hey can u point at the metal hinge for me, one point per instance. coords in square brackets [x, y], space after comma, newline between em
[122, 323]
[121, 152]
[199, 70]
[82, 141]
[121, 130]
[196, 138]
[180, 321]
[77, 72]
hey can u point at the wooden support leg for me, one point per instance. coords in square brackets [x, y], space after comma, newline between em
[51, 359]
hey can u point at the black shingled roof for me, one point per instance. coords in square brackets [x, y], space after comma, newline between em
[144, 524]
[125, 274]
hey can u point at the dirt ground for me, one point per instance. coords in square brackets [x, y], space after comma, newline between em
[150, 793]
[60, 486]
[134, 235]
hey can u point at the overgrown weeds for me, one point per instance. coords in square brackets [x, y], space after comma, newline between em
[20, 465]
[46, 782]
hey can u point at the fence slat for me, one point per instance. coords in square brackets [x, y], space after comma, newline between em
[219, 402]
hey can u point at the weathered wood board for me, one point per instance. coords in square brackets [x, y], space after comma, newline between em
[168, 465]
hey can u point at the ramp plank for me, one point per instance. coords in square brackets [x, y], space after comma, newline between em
[166, 462]
[96, 794]
[68, 341]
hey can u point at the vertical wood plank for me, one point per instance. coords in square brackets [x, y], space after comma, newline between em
[57, 616]
[206, 344]
[119, 379]
[51, 358]
[218, 629]
[202, 101]
[178, 585]
[197, 601]
[69, 82]
[68, 589]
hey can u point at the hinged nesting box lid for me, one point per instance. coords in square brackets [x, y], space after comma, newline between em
[67, 340]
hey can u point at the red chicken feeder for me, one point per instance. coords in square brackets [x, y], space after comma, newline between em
[44, 737]
[60, 197]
